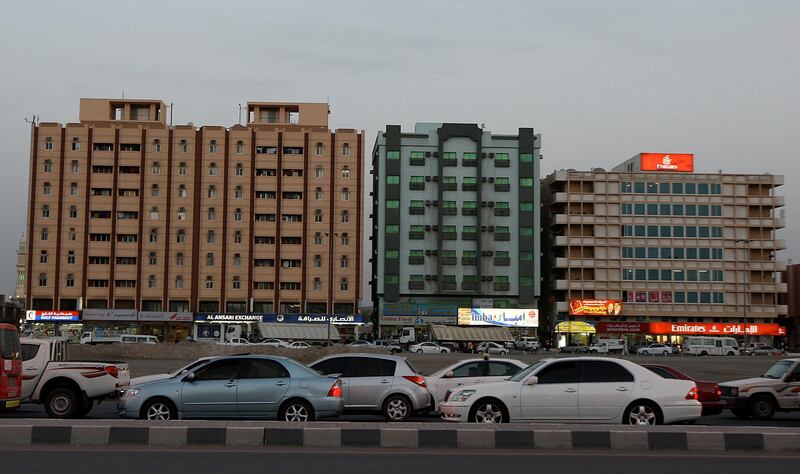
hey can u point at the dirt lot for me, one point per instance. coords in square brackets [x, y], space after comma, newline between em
[150, 359]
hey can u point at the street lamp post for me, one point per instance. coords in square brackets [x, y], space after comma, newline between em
[746, 281]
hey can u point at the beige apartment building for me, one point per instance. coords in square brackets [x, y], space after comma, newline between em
[653, 249]
[128, 212]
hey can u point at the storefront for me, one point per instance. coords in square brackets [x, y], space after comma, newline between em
[167, 326]
[211, 327]
[53, 324]
[573, 332]
[674, 332]
[110, 322]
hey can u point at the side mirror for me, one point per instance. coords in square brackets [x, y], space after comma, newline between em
[449, 374]
[533, 380]
[190, 377]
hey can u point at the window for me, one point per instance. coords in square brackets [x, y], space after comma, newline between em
[181, 238]
[74, 166]
[318, 238]
[209, 282]
[211, 237]
[345, 239]
[565, 372]
[151, 281]
[262, 369]
[210, 259]
[182, 193]
[73, 212]
[48, 143]
[501, 157]
[395, 204]
[395, 155]
[212, 214]
[236, 284]
[319, 150]
[393, 179]
[237, 237]
[154, 236]
[318, 194]
[42, 279]
[152, 258]
[237, 214]
[181, 213]
[239, 171]
[525, 182]
[226, 369]
[46, 189]
[71, 257]
[182, 170]
[345, 172]
[344, 262]
[346, 150]
[343, 284]
[345, 216]
[237, 260]
[179, 260]
[212, 169]
[45, 234]
[595, 371]
[345, 194]
[318, 215]
[183, 147]
[392, 229]
[45, 210]
[212, 191]
[154, 191]
[319, 172]
[212, 146]
[156, 145]
[179, 280]
[239, 147]
[43, 256]
[73, 189]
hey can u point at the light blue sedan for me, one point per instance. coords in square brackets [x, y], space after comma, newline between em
[249, 386]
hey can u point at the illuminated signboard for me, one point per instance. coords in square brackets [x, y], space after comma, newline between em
[595, 307]
[498, 317]
[671, 162]
[55, 316]
[693, 329]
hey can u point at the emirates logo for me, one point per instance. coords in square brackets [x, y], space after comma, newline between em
[666, 164]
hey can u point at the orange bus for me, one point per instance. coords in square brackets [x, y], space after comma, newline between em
[10, 367]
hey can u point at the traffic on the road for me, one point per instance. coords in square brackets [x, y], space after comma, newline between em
[489, 386]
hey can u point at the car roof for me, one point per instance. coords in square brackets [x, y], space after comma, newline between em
[361, 354]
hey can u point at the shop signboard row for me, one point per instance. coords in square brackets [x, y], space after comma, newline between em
[279, 318]
[506, 317]
[418, 320]
[691, 329]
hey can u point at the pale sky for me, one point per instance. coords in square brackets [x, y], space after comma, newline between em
[600, 80]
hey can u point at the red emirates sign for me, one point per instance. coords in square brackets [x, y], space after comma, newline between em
[709, 329]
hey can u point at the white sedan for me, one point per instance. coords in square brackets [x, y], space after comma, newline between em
[428, 347]
[298, 345]
[577, 390]
[659, 349]
[362, 343]
[492, 348]
[470, 372]
[273, 343]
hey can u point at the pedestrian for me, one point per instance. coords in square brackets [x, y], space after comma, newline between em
[470, 347]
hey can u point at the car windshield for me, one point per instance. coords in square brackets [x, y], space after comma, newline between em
[191, 366]
[523, 374]
[777, 370]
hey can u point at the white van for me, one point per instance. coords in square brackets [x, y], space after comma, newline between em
[705, 345]
[138, 339]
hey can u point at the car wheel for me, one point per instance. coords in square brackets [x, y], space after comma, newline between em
[419, 351]
[85, 408]
[397, 408]
[762, 407]
[159, 410]
[642, 413]
[704, 353]
[488, 412]
[645, 353]
[502, 353]
[61, 402]
[741, 414]
[443, 351]
[296, 411]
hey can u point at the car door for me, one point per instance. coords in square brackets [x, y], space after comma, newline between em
[787, 394]
[340, 366]
[500, 370]
[555, 395]
[370, 381]
[34, 362]
[605, 390]
[468, 373]
[261, 388]
[212, 393]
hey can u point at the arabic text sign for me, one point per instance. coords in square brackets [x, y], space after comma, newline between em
[34, 315]
[670, 162]
[595, 307]
[498, 317]
[692, 329]
[166, 316]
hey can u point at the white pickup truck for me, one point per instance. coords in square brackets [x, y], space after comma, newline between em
[760, 397]
[67, 389]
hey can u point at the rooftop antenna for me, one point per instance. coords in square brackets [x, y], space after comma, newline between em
[123, 95]
[240, 114]
[34, 119]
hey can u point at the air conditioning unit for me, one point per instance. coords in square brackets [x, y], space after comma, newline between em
[491, 155]
[483, 155]
[483, 179]
[427, 227]
[491, 203]
[428, 178]
[428, 154]
[435, 179]
[428, 277]
[491, 180]
[483, 228]
[485, 278]
[491, 228]
[427, 252]
[435, 203]
[435, 228]
[427, 203]
[434, 252]
[483, 204]
[436, 154]
[434, 277]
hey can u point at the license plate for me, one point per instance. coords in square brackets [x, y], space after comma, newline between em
[12, 403]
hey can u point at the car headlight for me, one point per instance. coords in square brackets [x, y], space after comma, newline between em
[462, 396]
[131, 392]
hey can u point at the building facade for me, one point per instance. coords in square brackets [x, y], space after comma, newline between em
[128, 212]
[456, 222]
[652, 248]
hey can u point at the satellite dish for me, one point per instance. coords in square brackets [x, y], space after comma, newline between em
[285, 264]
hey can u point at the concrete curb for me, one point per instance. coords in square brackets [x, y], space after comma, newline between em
[410, 436]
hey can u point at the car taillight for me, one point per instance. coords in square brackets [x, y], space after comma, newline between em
[417, 379]
[692, 395]
[336, 390]
[112, 370]
[717, 390]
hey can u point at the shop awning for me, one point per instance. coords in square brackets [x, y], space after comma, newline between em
[305, 332]
[477, 334]
[575, 327]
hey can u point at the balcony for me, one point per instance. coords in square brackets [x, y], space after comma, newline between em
[450, 186]
[469, 163]
[502, 187]
[449, 236]
[502, 261]
[416, 285]
[469, 187]
[416, 260]
[449, 260]
[416, 186]
[416, 211]
[417, 161]
[502, 211]
[416, 235]
[469, 236]
[449, 162]
[469, 211]
[469, 285]
[469, 260]
[502, 237]
[502, 286]
[449, 285]
[449, 211]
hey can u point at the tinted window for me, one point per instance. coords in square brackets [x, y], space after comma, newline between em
[29, 351]
[219, 370]
[372, 367]
[502, 369]
[263, 369]
[336, 365]
[470, 369]
[662, 372]
[601, 371]
[559, 372]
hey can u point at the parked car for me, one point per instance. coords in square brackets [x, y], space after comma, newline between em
[470, 372]
[383, 384]
[235, 341]
[492, 348]
[766, 350]
[750, 346]
[183, 370]
[138, 339]
[574, 349]
[577, 389]
[428, 347]
[361, 343]
[526, 343]
[391, 346]
[708, 393]
[657, 349]
[298, 345]
[273, 343]
[67, 389]
[760, 397]
[453, 346]
[248, 386]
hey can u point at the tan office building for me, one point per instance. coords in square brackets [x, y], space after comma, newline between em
[652, 248]
[127, 212]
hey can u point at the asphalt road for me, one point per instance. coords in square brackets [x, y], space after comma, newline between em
[41, 459]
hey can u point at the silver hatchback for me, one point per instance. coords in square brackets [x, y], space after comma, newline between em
[378, 384]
